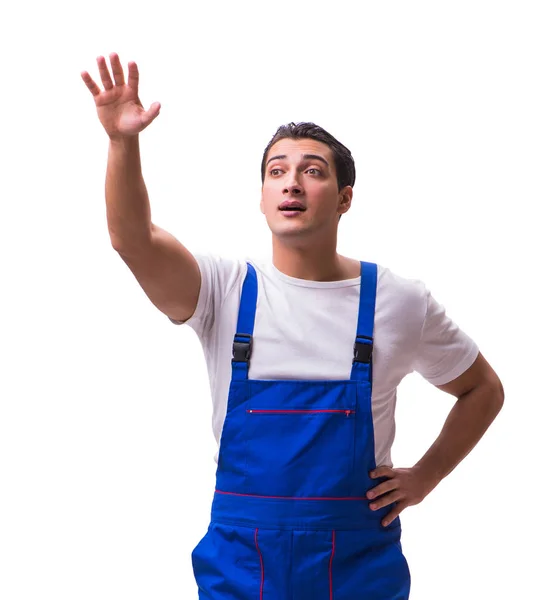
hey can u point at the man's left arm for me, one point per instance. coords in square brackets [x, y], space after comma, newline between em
[480, 397]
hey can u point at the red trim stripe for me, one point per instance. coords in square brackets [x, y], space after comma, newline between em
[288, 497]
[262, 565]
[330, 563]
[346, 411]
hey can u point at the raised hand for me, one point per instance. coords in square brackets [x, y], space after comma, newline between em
[118, 105]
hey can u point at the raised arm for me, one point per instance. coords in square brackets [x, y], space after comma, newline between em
[165, 269]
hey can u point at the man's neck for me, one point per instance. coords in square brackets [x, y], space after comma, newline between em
[319, 263]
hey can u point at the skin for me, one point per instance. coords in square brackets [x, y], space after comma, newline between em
[303, 247]
[118, 105]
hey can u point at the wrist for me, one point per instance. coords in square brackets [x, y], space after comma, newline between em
[430, 477]
[124, 141]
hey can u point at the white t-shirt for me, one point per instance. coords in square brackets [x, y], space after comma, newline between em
[306, 330]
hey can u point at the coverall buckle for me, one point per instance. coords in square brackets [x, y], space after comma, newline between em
[241, 351]
[362, 352]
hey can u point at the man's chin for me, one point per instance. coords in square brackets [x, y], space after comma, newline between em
[290, 230]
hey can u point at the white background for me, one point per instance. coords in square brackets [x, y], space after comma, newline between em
[106, 449]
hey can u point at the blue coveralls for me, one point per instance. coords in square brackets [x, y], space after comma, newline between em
[290, 519]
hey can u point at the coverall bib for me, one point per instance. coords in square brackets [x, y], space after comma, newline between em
[290, 519]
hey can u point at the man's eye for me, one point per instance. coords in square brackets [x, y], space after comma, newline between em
[317, 171]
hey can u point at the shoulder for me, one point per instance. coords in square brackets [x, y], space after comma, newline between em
[397, 291]
[390, 279]
[222, 273]
[221, 277]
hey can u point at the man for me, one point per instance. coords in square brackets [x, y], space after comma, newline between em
[305, 354]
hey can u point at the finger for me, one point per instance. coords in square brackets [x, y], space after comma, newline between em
[133, 76]
[151, 114]
[382, 472]
[89, 82]
[386, 486]
[104, 73]
[390, 517]
[117, 69]
[386, 500]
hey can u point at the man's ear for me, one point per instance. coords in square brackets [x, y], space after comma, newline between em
[346, 197]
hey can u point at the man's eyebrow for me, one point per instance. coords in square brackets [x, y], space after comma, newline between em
[304, 156]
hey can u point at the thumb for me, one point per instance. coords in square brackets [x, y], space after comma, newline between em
[151, 113]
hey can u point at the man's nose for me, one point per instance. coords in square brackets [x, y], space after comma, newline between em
[293, 188]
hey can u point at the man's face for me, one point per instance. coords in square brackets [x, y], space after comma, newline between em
[303, 172]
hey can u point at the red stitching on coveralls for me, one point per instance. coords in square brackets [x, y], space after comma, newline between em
[330, 563]
[262, 566]
[347, 411]
[288, 497]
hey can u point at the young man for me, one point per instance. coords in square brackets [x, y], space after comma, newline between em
[305, 354]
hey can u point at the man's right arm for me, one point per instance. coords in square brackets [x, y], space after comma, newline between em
[167, 272]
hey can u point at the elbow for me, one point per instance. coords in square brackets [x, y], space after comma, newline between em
[489, 396]
[500, 394]
[495, 395]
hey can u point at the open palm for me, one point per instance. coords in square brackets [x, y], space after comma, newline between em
[118, 105]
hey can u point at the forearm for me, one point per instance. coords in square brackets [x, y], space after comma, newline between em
[127, 203]
[466, 423]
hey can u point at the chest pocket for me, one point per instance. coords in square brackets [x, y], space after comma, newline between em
[300, 438]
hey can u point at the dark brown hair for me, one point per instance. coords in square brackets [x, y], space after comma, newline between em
[343, 161]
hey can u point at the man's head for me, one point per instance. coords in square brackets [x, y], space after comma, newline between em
[303, 163]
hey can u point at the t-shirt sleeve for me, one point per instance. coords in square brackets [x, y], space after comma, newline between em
[218, 277]
[444, 351]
